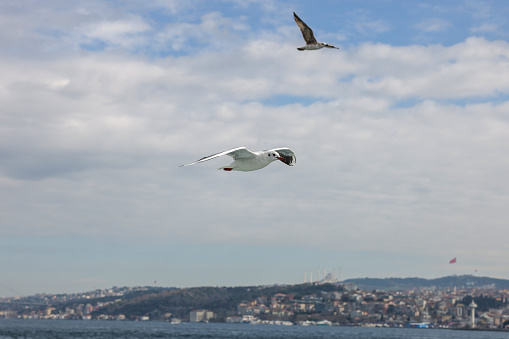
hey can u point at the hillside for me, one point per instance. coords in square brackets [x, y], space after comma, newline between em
[394, 284]
[223, 300]
[339, 302]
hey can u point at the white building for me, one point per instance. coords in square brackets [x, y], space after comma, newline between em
[197, 316]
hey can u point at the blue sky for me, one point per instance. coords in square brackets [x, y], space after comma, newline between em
[401, 138]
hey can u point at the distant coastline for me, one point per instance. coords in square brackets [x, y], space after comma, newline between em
[445, 303]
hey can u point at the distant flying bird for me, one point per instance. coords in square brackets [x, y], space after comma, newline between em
[245, 160]
[307, 33]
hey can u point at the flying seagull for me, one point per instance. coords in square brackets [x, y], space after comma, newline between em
[245, 160]
[307, 33]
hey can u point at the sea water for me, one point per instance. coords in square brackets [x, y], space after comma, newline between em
[67, 329]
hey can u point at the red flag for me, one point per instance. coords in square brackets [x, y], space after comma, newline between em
[453, 261]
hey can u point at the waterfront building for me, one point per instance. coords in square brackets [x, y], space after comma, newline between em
[197, 316]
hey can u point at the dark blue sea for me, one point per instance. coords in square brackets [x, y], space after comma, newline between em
[64, 329]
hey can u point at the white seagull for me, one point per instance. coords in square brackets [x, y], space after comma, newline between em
[307, 33]
[245, 160]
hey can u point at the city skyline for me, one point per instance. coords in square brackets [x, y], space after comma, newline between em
[448, 302]
[401, 137]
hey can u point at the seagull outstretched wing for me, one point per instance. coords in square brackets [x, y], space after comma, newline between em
[235, 153]
[307, 32]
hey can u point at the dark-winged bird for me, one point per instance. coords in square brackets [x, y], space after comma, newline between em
[307, 33]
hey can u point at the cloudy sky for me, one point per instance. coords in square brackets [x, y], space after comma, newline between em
[401, 137]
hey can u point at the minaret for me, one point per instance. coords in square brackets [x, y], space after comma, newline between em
[473, 306]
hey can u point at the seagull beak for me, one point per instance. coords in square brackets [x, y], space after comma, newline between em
[281, 158]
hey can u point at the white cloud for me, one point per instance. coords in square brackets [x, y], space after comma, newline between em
[474, 68]
[486, 28]
[90, 143]
[125, 33]
[213, 29]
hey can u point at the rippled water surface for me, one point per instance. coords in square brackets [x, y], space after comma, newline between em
[66, 329]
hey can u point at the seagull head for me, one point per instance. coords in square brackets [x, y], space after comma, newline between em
[273, 155]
